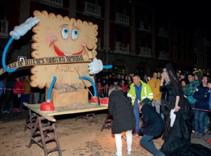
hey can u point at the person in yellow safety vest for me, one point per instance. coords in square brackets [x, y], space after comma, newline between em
[138, 91]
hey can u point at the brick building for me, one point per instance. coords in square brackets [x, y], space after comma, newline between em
[132, 35]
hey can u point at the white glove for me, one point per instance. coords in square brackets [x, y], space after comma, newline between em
[172, 117]
[22, 29]
[95, 66]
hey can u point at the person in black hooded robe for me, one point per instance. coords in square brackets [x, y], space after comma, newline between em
[121, 109]
[176, 136]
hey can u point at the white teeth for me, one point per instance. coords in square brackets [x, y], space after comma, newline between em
[68, 54]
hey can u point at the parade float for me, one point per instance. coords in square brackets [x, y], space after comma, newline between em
[64, 63]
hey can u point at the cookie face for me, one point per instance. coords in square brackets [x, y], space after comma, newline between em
[61, 36]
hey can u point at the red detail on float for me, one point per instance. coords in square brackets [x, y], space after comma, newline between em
[47, 106]
[209, 141]
[93, 99]
[103, 101]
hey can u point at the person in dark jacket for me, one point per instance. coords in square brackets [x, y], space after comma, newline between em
[202, 104]
[121, 110]
[152, 127]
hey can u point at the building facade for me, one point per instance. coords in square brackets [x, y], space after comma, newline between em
[132, 34]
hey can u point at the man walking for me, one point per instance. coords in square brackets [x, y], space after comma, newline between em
[138, 91]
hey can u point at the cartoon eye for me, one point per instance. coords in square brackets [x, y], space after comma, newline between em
[75, 33]
[65, 32]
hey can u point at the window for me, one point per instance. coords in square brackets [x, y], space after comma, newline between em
[92, 9]
[3, 28]
[53, 3]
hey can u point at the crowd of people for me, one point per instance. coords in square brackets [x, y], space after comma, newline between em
[168, 104]
[15, 91]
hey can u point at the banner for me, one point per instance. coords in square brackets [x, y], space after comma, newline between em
[46, 61]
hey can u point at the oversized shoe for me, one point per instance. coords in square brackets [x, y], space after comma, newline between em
[103, 101]
[47, 106]
[209, 141]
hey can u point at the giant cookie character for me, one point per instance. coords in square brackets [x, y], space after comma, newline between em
[57, 36]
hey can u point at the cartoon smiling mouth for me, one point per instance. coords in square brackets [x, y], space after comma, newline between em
[59, 52]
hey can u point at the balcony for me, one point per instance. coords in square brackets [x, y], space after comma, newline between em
[164, 55]
[122, 19]
[92, 9]
[162, 33]
[145, 52]
[142, 27]
[122, 48]
[3, 28]
[52, 3]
